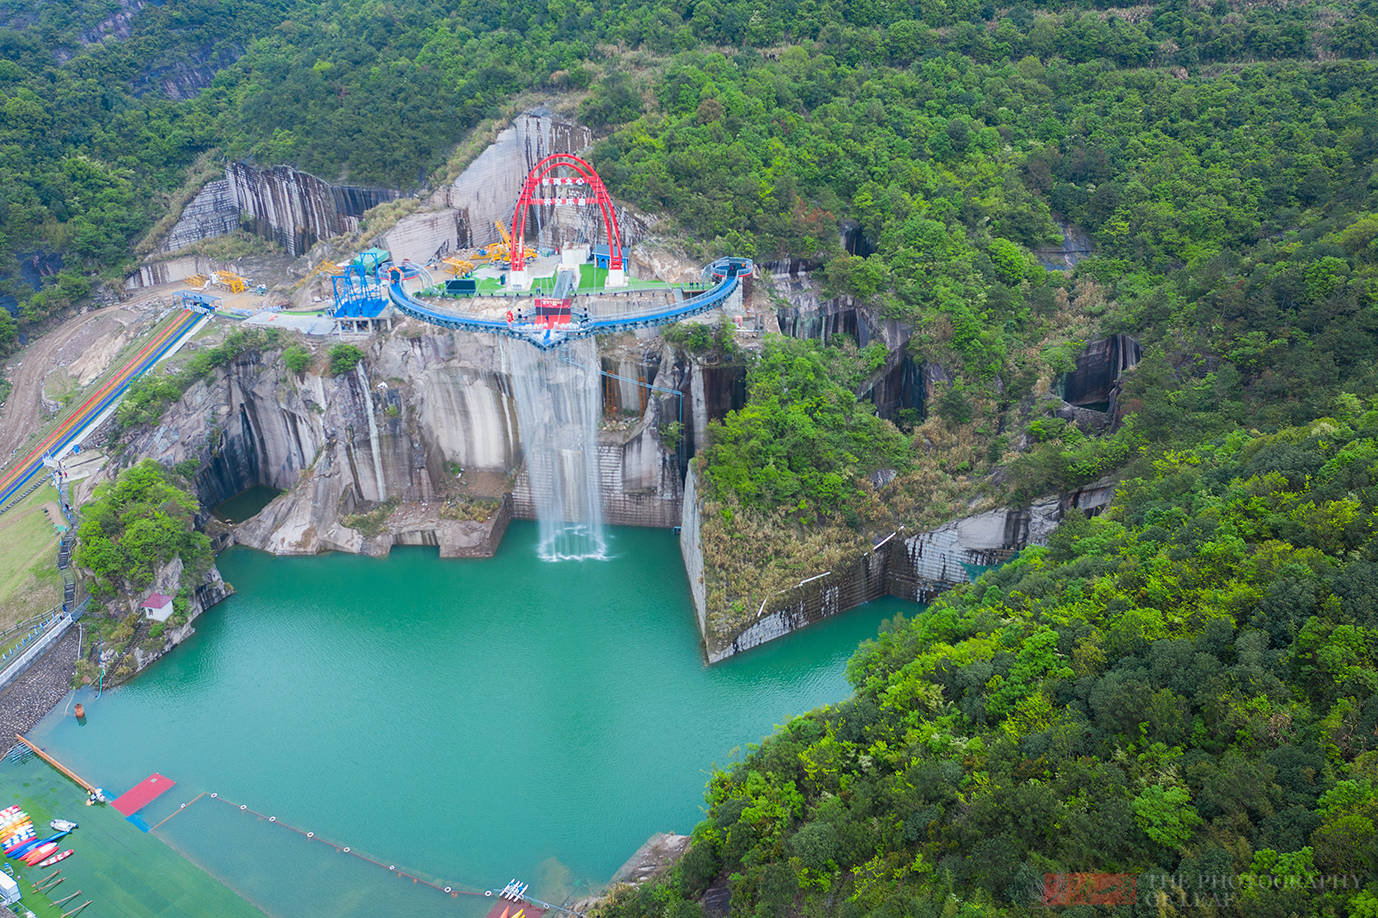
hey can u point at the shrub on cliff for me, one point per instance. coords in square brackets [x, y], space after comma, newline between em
[297, 358]
[132, 527]
[343, 358]
[151, 394]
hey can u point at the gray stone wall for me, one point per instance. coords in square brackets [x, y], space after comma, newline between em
[916, 567]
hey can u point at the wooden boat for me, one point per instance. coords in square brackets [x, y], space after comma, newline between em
[39, 853]
[50, 861]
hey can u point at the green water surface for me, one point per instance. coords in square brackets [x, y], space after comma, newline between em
[472, 720]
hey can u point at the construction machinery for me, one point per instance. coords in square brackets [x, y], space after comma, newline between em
[501, 252]
[232, 282]
[459, 267]
[330, 269]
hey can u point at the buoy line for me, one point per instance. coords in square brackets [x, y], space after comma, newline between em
[450, 890]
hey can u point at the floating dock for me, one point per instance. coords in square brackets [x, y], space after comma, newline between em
[143, 793]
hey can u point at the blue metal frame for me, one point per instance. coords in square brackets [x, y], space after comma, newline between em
[201, 302]
[581, 325]
[358, 294]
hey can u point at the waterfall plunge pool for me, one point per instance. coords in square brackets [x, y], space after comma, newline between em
[473, 720]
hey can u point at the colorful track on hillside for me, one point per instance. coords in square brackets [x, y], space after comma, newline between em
[75, 423]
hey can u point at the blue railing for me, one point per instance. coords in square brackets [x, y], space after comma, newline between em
[34, 633]
[581, 325]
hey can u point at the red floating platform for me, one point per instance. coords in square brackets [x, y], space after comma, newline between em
[143, 793]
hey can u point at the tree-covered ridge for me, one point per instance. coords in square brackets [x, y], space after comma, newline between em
[1186, 686]
[952, 165]
[1233, 212]
[377, 92]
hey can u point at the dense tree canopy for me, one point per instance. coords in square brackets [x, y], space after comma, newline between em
[133, 526]
[803, 441]
[1185, 687]
[819, 112]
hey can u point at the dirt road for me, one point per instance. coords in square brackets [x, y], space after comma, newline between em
[84, 346]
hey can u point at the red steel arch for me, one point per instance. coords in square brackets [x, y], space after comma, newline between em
[541, 173]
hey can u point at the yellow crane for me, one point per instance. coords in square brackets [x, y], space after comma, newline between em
[330, 269]
[502, 251]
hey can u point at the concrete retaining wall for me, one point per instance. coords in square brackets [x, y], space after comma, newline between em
[35, 650]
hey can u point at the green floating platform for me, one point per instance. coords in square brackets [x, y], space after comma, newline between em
[122, 870]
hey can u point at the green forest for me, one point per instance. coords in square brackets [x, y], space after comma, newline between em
[950, 130]
[1184, 687]
[133, 526]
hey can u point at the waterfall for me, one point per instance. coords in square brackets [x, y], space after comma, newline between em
[558, 404]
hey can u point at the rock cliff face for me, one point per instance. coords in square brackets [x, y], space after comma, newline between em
[466, 211]
[916, 567]
[903, 384]
[295, 209]
[177, 79]
[289, 207]
[213, 212]
[487, 189]
[1095, 383]
[426, 413]
[206, 591]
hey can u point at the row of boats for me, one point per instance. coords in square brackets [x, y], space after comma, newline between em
[20, 841]
[514, 890]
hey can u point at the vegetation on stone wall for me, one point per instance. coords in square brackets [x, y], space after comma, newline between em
[803, 441]
[151, 394]
[296, 358]
[342, 358]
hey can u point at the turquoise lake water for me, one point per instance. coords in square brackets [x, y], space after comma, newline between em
[472, 721]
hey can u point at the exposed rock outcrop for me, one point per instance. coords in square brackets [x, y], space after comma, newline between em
[915, 566]
[367, 459]
[202, 592]
[213, 212]
[295, 209]
[1095, 383]
[901, 385]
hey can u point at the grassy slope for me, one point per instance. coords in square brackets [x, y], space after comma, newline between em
[29, 582]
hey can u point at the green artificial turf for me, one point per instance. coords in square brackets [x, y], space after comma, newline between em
[124, 871]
